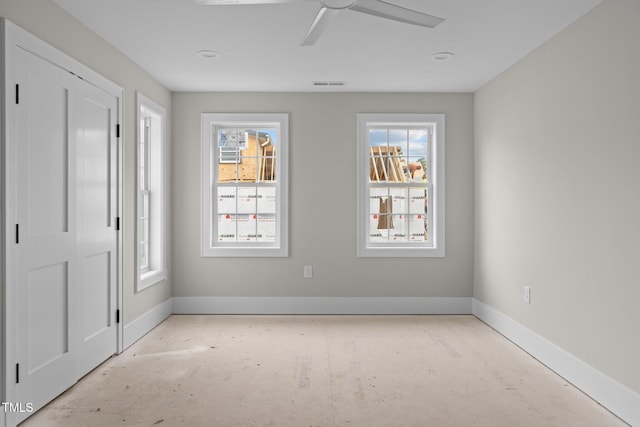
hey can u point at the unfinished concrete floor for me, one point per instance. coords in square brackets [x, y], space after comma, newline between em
[323, 371]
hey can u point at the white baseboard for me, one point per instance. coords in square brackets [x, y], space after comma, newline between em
[320, 305]
[142, 325]
[616, 397]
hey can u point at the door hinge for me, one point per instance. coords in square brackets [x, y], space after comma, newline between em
[17, 373]
[118, 131]
[17, 94]
[17, 233]
[117, 223]
[118, 316]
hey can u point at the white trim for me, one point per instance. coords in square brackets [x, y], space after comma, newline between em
[321, 305]
[616, 397]
[435, 247]
[158, 261]
[139, 327]
[278, 121]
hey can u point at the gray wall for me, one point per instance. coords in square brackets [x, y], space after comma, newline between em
[52, 24]
[322, 183]
[557, 145]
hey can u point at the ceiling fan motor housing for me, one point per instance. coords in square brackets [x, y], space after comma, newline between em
[337, 4]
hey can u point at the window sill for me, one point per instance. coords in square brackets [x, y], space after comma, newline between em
[150, 278]
[400, 252]
[244, 252]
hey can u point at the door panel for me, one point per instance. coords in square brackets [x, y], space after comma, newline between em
[97, 236]
[46, 316]
[47, 139]
[47, 299]
[96, 307]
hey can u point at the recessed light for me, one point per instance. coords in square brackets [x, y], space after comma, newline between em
[206, 53]
[442, 56]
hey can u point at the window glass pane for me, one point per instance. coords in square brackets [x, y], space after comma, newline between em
[397, 165]
[417, 144]
[378, 137]
[251, 150]
[142, 206]
[418, 155]
[247, 200]
[266, 147]
[398, 139]
[226, 200]
[378, 164]
[142, 184]
[266, 200]
[375, 234]
[232, 138]
[267, 227]
[226, 228]
[230, 143]
[228, 172]
[143, 230]
[144, 262]
[399, 231]
[418, 214]
[417, 228]
[417, 200]
[399, 198]
[247, 231]
[378, 209]
[375, 194]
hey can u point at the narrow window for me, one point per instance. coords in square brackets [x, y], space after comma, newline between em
[143, 192]
[401, 185]
[244, 184]
[150, 205]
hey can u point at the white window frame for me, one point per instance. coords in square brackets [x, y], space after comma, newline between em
[155, 191]
[279, 122]
[435, 246]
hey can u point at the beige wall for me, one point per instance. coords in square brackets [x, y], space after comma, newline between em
[322, 201]
[46, 20]
[557, 147]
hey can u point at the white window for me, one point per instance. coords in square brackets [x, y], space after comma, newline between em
[400, 185]
[151, 224]
[244, 184]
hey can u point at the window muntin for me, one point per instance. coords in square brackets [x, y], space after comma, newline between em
[401, 189]
[244, 199]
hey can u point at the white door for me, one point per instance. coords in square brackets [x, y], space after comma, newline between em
[97, 235]
[66, 242]
[46, 231]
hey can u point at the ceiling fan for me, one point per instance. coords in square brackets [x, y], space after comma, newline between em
[329, 8]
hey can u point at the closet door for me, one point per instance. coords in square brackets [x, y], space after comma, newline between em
[66, 246]
[97, 235]
[46, 231]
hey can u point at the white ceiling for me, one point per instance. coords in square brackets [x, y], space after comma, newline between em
[260, 50]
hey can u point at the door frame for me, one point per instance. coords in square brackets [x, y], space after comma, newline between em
[16, 38]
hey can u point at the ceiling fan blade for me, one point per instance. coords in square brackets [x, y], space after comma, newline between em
[319, 24]
[240, 2]
[397, 13]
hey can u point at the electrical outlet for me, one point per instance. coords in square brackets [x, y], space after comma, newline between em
[308, 272]
[527, 294]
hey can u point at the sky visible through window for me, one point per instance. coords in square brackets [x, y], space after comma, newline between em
[412, 141]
